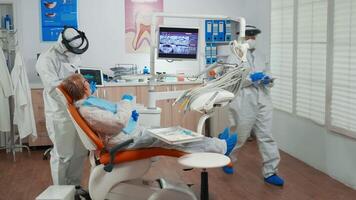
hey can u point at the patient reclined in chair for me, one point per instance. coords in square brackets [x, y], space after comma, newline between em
[117, 173]
[109, 121]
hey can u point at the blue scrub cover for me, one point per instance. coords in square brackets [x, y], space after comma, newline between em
[275, 180]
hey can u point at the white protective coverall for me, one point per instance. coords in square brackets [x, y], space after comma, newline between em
[68, 151]
[6, 90]
[252, 110]
[109, 125]
[23, 111]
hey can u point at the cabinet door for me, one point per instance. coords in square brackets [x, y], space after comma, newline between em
[188, 120]
[142, 95]
[166, 106]
[38, 110]
[114, 93]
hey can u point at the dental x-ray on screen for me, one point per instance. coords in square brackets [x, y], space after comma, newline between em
[178, 43]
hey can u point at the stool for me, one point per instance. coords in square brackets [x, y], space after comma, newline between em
[58, 192]
[204, 161]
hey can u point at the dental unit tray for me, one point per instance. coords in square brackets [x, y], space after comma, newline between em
[175, 135]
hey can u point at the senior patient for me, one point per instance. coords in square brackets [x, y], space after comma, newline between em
[114, 123]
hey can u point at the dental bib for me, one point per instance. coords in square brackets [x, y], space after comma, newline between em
[100, 103]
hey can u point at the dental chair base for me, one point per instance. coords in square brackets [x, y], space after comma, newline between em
[124, 182]
[138, 190]
[58, 192]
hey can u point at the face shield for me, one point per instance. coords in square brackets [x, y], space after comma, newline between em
[252, 31]
[249, 32]
[74, 41]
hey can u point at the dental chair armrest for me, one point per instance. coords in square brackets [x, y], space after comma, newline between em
[113, 151]
[116, 148]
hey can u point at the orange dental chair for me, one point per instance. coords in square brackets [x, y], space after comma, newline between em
[116, 173]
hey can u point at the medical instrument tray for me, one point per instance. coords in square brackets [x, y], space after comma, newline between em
[175, 135]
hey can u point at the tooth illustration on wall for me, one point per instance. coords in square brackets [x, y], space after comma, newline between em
[143, 30]
[138, 24]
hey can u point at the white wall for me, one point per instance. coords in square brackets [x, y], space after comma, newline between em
[327, 151]
[105, 29]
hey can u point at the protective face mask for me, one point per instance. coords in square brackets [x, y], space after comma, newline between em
[101, 103]
[251, 43]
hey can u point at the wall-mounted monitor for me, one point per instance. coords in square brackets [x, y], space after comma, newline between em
[175, 43]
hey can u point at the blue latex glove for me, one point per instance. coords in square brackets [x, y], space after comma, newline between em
[257, 76]
[127, 97]
[134, 115]
[92, 87]
[266, 80]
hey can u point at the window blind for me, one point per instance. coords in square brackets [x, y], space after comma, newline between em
[282, 15]
[343, 99]
[311, 59]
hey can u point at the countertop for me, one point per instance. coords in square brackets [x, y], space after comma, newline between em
[124, 84]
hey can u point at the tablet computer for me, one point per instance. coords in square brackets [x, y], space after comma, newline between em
[92, 75]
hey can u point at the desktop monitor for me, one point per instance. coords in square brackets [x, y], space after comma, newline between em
[178, 43]
[91, 74]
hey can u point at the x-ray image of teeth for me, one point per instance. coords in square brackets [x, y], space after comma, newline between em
[166, 48]
[178, 43]
[181, 40]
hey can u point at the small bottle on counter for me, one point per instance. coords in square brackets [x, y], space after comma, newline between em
[7, 22]
[180, 77]
[146, 70]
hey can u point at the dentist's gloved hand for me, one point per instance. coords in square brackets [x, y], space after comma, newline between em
[127, 97]
[257, 76]
[134, 115]
[92, 87]
[266, 80]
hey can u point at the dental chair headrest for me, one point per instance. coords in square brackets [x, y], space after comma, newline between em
[68, 98]
[206, 101]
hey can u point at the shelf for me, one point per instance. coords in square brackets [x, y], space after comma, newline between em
[218, 42]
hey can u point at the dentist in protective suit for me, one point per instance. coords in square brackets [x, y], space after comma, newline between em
[54, 65]
[253, 110]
